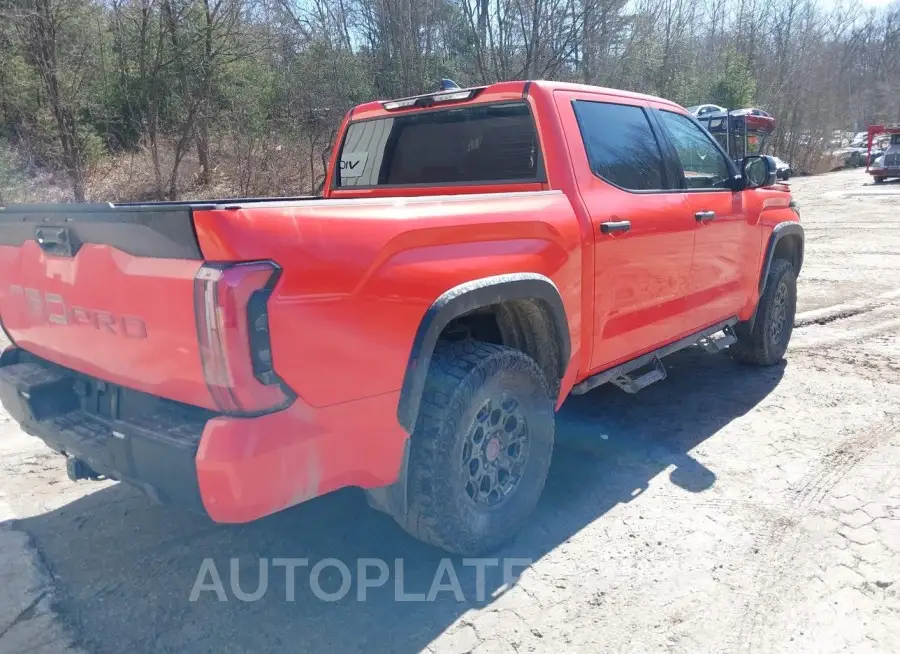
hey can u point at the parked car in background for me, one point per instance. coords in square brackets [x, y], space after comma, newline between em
[888, 164]
[751, 111]
[857, 158]
[851, 157]
[783, 169]
[870, 158]
[703, 109]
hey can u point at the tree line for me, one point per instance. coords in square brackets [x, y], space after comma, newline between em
[166, 99]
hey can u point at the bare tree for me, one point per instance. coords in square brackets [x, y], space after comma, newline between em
[38, 23]
[247, 94]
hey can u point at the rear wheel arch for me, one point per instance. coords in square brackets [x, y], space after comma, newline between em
[522, 310]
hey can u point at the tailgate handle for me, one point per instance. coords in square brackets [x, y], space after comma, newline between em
[56, 240]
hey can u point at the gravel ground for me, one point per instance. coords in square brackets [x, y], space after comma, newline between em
[725, 509]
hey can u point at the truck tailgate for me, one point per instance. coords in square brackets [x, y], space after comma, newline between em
[106, 291]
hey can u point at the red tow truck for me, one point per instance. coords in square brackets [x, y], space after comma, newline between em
[888, 164]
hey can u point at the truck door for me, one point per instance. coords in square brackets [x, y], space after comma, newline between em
[723, 275]
[643, 232]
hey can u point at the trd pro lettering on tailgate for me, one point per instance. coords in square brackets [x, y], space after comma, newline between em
[52, 308]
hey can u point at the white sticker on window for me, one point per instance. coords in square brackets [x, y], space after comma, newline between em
[353, 164]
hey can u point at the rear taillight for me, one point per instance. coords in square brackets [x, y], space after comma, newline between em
[231, 308]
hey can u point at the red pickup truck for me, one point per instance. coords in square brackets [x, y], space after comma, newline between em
[478, 255]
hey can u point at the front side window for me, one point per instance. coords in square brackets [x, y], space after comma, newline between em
[479, 144]
[620, 145]
[705, 167]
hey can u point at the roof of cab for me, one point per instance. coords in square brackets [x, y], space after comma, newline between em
[585, 88]
[504, 91]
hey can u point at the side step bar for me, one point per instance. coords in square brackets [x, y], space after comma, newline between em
[632, 385]
[716, 345]
[620, 374]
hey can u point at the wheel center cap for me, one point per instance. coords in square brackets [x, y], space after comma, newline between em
[492, 449]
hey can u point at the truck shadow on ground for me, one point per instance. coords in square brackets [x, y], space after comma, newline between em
[125, 567]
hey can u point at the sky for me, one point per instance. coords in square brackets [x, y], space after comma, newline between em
[864, 3]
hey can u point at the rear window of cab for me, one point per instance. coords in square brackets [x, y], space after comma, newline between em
[480, 144]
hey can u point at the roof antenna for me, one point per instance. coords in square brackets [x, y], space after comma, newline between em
[448, 85]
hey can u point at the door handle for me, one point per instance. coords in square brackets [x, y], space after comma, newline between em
[705, 216]
[617, 226]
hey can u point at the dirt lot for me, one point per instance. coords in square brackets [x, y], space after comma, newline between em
[726, 509]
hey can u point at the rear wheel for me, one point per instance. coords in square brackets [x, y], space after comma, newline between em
[879, 180]
[481, 449]
[767, 342]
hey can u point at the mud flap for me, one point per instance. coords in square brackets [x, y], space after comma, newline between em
[392, 499]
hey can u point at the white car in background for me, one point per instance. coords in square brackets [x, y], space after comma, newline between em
[703, 109]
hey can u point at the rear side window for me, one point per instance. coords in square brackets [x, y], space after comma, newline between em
[620, 144]
[470, 145]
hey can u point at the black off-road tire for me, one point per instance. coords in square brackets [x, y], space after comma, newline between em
[465, 379]
[767, 342]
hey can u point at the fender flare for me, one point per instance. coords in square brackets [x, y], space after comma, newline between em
[463, 299]
[781, 230]
[787, 228]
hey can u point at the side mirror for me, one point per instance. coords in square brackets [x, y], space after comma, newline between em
[758, 171]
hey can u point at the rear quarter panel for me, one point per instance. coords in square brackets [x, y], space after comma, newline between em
[359, 275]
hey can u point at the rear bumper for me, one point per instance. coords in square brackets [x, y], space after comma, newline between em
[155, 453]
[233, 469]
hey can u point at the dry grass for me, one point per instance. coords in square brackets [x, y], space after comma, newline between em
[262, 167]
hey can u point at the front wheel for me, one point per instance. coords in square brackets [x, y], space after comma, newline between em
[766, 343]
[481, 449]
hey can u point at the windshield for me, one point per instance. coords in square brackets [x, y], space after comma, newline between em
[479, 144]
